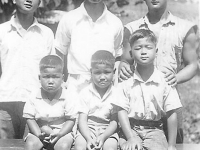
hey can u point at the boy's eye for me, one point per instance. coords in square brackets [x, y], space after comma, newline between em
[137, 48]
[149, 47]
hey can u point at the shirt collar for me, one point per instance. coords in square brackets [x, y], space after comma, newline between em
[84, 12]
[15, 23]
[153, 78]
[93, 90]
[62, 96]
[166, 20]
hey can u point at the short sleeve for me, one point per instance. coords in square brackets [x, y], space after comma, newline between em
[29, 111]
[122, 97]
[63, 35]
[71, 110]
[83, 102]
[171, 99]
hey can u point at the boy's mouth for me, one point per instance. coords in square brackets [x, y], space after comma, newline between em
[28, 4]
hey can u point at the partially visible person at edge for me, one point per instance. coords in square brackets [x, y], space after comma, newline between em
[50, 127]
[23, 42]
[177, 42]
[83, 31]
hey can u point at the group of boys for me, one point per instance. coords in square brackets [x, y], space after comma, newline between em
[129, 113]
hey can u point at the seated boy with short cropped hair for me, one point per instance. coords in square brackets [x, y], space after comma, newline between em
[50, 112]
[97, 116]
[147, 97]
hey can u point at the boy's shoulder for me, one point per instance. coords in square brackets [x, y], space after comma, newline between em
[5, 28]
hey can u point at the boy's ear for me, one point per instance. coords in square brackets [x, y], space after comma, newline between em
[91, 70]
[39, 3]
[130, 52]
[156, 50]
[114, 70]
[63, 77]
[39, 77]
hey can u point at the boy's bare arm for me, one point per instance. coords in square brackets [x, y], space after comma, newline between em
[34, 128]
[67, 128]
[124, 67]
[64, 58]
[190, 57]
[131, 143]
[172, 128]
[110, 130]
[84, 129]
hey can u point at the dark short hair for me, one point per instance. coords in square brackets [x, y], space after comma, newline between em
[51, 61]
[103, 57]
[142, 33]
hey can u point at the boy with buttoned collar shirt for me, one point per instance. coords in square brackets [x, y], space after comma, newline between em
[23, 42]
[147, 98]
[51, 111]
[83, 31]
[97, 122]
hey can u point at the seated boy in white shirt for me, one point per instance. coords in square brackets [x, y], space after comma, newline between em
[97, 116]
[51, 112]
[147, 98]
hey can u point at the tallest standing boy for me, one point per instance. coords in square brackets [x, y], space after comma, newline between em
[83, 31]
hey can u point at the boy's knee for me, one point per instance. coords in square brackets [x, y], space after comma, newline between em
[62, 146]
[33, 144]
[80, 147]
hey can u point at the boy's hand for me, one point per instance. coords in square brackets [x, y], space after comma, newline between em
[91, 144]
[55, 136]
[125, 71]
[170, 78]
[100, 141]
[171, 148]
[132, 144]
[41, 136]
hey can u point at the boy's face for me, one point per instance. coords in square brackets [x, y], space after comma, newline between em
[102, 75]
[156, 4]
[27, 6]
[143, 51]
[51, 79]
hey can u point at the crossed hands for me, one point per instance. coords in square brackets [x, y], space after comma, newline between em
[49, 138]
[96, 144]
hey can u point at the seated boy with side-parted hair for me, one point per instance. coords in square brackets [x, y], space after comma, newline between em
[147, 98]
[97, 116]
[50, 112]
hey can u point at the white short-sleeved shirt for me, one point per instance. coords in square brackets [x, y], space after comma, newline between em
[170, 39]
[20, 53]
[79, 37]
[99, 110]
[148, 100]
[52, 113]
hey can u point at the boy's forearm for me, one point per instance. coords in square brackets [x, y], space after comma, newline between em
[33, 127]
[67, 127]
[125, 124]
[83, 126]
[172, 128]
[187, 73]
[110, 130]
